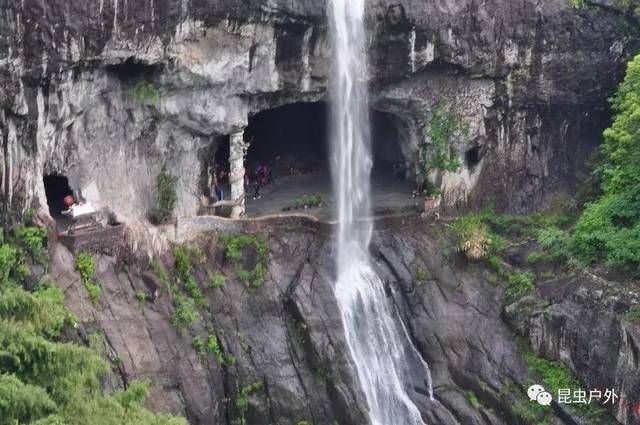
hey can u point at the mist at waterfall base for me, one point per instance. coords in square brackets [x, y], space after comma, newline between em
[379, 344]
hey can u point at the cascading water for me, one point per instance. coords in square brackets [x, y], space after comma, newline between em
[376, 337]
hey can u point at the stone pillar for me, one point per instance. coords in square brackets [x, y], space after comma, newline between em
[237, 151]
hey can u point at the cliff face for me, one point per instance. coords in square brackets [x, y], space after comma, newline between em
[286, 335]
[107, 93]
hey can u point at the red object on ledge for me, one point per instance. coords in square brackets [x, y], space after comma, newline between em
[68, 201]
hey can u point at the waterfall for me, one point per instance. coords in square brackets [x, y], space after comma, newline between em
[382, 354]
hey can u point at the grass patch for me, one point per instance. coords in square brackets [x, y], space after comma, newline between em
[633, 314]
[556, 376]
[249, 254]
[85, 265]
[475, 238]
[519, 285]
[145, 93]
[473, 399]
[213, 345]
[217, 281]
[185, 313]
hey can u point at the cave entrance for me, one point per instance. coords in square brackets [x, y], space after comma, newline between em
[292, 142]
[56, 187]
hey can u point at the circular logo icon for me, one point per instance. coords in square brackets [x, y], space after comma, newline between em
[534, 390]
[544, 398]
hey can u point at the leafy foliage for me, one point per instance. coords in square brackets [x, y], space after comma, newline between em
[238, 249]
[475, 238]
[166, 197]
[556, 376]
[609, 228]
[308, 201]
[555, 246]
[217, 281]
[519, 285]
[145, 92]
[44, 381]
[86, 264]
[10, 270]
[446, 128]
[33, 239]
[214, 348]
[242, 399]
[184, 314]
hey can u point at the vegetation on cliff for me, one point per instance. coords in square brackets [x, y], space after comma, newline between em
[46, 378]
[609, 228]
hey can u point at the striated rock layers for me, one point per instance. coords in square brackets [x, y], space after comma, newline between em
[107, 93]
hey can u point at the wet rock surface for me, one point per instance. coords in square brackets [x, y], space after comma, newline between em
[287, 334]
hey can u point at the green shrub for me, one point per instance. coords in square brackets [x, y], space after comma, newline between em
[194, 292]
[184, 314]
[446, 129]
[45, 381]
[308, 201]
[198, 345]
[555, 246]
[33, 239]
[609, 228]
[242, 399]
[556, 376]
[214, 348]
[166, 197]
[519, 285]
[217, 281]
[182, 262]
[473, 399]
[145, 93]
[235, 248]
[85, 265]
[475, 238]
[9, 261]
[94, 292]
[141, 297]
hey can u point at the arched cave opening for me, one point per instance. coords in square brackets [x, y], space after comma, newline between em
[472, 157]
[56, 187]
[292, 142]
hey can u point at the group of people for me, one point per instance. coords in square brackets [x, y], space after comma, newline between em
[262, 176]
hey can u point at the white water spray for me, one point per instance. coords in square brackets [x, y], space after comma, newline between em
[378, 342]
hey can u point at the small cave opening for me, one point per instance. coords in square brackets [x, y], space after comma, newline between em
[472, 157]
[288, 160]
[132, 69]
[56, 188]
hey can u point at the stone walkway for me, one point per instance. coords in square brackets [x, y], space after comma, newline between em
[388, 193]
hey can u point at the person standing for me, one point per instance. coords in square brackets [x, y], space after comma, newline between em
[256, 190]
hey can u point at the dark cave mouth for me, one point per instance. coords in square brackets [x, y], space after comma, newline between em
[300, 132]
[292, 142]
[56, 187]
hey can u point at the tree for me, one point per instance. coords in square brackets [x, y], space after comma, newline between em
[609, 228]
